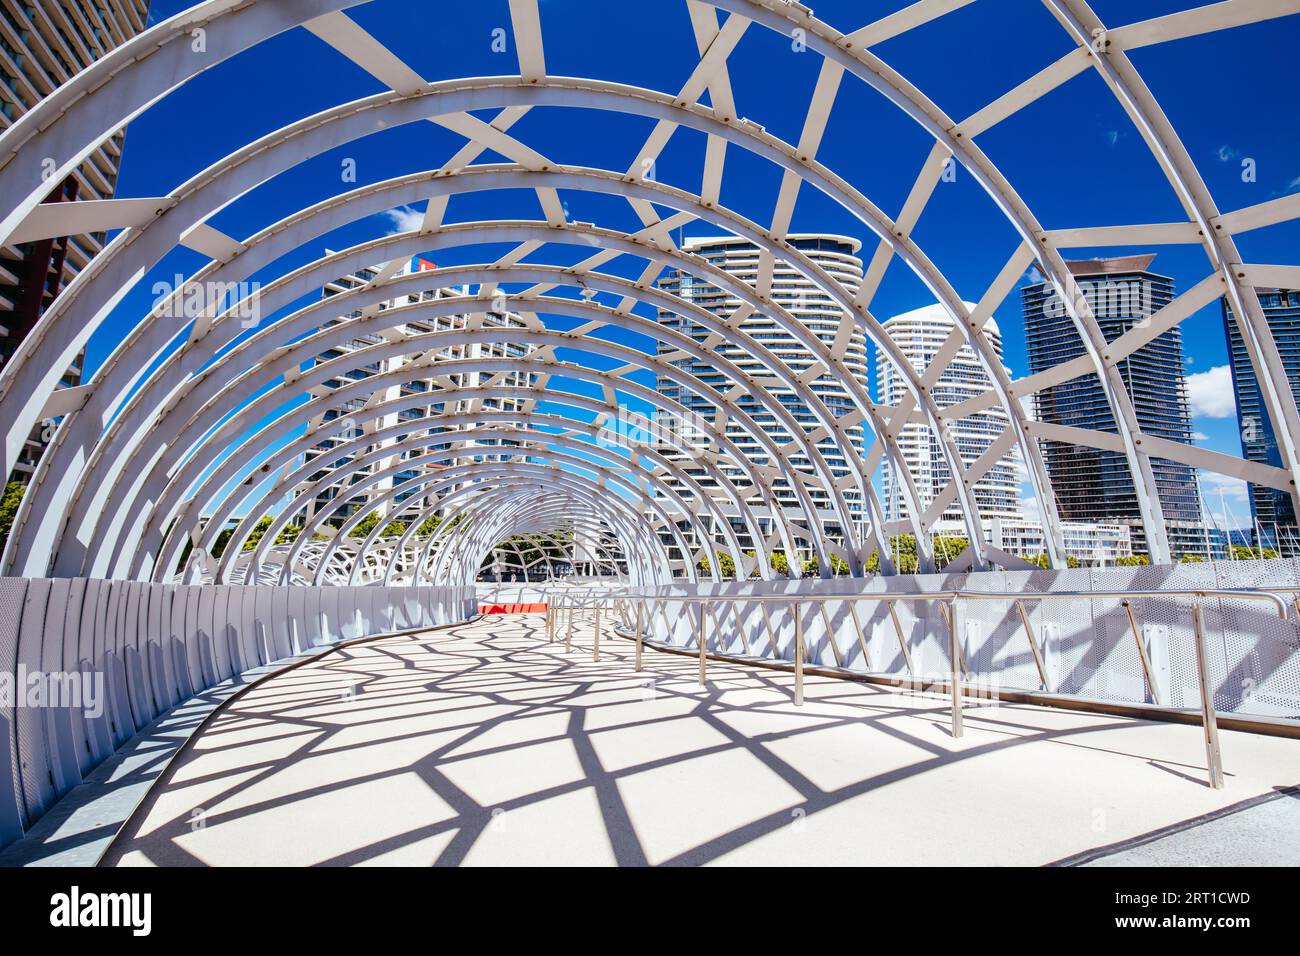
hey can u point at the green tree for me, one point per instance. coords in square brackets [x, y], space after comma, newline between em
[1133, 561]
[261, 528]
[1242, 553]
[812, 567]
[288, 534]
[1041, 560]
[13, 497]
[948, 548]
[367, 524]
[726, 564]
[428, 526]
[903, 549]
[223, 539]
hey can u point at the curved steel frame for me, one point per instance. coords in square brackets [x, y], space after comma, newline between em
[170, 429]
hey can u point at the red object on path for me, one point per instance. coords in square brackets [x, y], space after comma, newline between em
[512, 608]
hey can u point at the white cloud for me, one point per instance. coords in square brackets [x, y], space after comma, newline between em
[1210, 393]
[1200, 436]
[1213, 483]
[404, 219]
[1226, 500]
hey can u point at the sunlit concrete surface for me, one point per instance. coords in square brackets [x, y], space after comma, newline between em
[486, 744]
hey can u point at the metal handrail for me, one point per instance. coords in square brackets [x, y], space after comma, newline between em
[949, 602]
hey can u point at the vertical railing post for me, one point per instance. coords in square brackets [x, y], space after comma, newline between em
[1209, 721]
[595, 644]
[639, 606]
[955, 654]
[568, 631]
[798, 655]
[704, 648]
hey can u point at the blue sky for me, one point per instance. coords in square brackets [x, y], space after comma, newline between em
[1073, 157]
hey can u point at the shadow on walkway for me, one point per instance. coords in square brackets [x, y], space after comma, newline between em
[485, 744]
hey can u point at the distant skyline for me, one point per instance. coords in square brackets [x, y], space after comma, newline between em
[1073, 157]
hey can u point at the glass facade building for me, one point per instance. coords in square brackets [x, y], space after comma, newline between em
[1271, 509]
[920, 336]
[426, 377]
[1093, 484]
[813, 308]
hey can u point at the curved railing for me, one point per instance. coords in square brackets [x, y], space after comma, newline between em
[1171, 653]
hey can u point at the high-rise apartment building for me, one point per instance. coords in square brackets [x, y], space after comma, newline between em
[1273, 514]
[422, 381]
[809, 305]
[1095, 485]
[919, 336]
[43, 43]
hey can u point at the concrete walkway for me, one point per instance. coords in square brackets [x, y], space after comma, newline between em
[484, 744]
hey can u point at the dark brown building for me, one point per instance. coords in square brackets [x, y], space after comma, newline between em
[43, 43]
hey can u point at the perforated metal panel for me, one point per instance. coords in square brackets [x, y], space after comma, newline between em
[881, 638]
[35, 777]
[138, 695]
[331, 619]
[94, 627]
[13, 592]
[233, 628]
[298, 621]
[279, 622]
[202, 644]
[1166, 628]
[263, 625]
[60, 756]
[80, 606]
[430, 611]
[925, 632]
[221, 633]
[182, 663]
[354, 611]
[410, 608]
[115, 666]
[249, 651]
[1261, 652]
[190, 662]
[1087, 645]
[151, 632]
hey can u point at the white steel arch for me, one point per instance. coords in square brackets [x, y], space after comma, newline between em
[80, 471]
